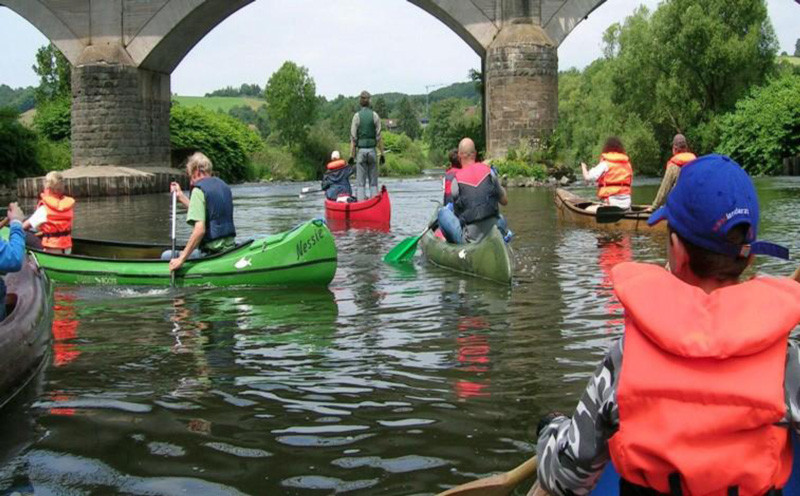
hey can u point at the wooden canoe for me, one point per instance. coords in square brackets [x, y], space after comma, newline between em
[491, 258]
[25, 332]
[573, 208]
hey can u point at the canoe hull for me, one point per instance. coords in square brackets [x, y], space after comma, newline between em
[375, 213]
[25, 333]
[572, 208]
[490, 259]
[303, 256]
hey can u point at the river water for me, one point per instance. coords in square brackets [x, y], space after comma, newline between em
[393, 381]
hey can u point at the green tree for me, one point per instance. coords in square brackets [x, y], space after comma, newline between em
[228, 142]
[255, 118]
[765, 127]
[797, 48]
[452, 120]
[380, 106]
[291, 102]
[55, 72]
[17, 148]
[53, 118]
[407, 120]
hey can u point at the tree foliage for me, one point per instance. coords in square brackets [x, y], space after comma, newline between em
[251, 90]
[21, 99]
[765, 127]
[227, 142]
[407, 120]
[452, 120]
[291, 102]
[380, 106]
[53, 118]
[797, 48]
[674, 70]
[55, 74]
[255, 118]
[17, 148]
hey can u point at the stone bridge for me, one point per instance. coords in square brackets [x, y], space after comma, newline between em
[123, 52]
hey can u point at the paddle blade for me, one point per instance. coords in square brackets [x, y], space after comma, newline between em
[404, 250]
[609, 214]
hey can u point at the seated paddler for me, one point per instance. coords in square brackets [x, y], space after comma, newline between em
[12, 252]
[336, 181]
[52, 219]
[613, 175]
[477, 196]
[702, 391]
[210, 213]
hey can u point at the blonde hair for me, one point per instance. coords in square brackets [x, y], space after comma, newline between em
[54, 181]
[198, 162]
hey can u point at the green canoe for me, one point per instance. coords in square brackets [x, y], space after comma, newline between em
[491, 258]
[306, 255]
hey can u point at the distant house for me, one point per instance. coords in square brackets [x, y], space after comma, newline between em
[390, 124]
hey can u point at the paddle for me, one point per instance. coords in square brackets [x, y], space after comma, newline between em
[172, 255]
[406, 249]
[608, 214]
[496, 485]
[309, 189]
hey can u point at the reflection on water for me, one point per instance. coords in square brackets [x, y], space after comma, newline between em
[396, 380]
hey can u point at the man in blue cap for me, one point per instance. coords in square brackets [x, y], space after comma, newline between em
[707, 393]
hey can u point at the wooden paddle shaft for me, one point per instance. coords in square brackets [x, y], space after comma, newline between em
[496, 485]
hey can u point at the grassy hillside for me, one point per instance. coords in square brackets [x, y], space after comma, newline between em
[790, 59]
[224, 103]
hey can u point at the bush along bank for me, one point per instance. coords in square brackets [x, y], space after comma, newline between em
[527, 166]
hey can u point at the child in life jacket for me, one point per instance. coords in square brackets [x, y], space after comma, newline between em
[52, 219]
[701, 393]
[336, 181]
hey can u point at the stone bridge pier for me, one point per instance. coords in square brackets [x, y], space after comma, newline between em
[123, 52]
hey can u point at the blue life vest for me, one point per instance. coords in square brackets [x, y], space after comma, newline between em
[219, 209]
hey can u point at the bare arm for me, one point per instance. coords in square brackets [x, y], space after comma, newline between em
[176, 188]
[353, 130]
[198, 232]
[378, 137]
[585, 172]
[667, 183]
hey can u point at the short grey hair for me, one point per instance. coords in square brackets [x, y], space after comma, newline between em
[199, 162]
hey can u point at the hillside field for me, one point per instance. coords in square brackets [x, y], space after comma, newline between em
[224, 103]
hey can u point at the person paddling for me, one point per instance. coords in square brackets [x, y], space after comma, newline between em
[701, 393]
[477, 196]
[52, 219]
[680, 157]
[336, 181]
[210, 213]
[12, 252]
[613, 174]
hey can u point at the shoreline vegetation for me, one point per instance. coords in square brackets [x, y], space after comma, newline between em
[745, 102]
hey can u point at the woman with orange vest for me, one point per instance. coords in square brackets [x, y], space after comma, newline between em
[680, 157]
[614, 175]
[701, 393]
[336, 181]
[53, 216]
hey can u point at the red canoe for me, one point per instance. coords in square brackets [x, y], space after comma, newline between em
[375, 212]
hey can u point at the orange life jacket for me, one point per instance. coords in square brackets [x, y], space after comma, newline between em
[336, 164]
[618, 178]
[701, 387]
[57, 230]
[681, 159]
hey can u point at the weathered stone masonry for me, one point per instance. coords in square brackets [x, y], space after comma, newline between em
[120, 116]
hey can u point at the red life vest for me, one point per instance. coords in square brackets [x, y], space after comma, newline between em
[336, 164]
[477, 197]
[449, 175]
[618, 178]
[701, 387]
[57, 230]
[681, 159]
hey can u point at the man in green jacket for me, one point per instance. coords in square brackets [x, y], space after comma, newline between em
[365, 136]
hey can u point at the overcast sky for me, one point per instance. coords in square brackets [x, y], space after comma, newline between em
[347, 45]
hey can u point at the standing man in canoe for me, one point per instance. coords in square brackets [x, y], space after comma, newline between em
[701, 393]
[12, 252]
[365, 136]
[210, 213]
[477, 196]
[52, 219]
[613, 174]
[681, 155]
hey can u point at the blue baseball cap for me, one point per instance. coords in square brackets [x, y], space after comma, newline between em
[713, 195]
